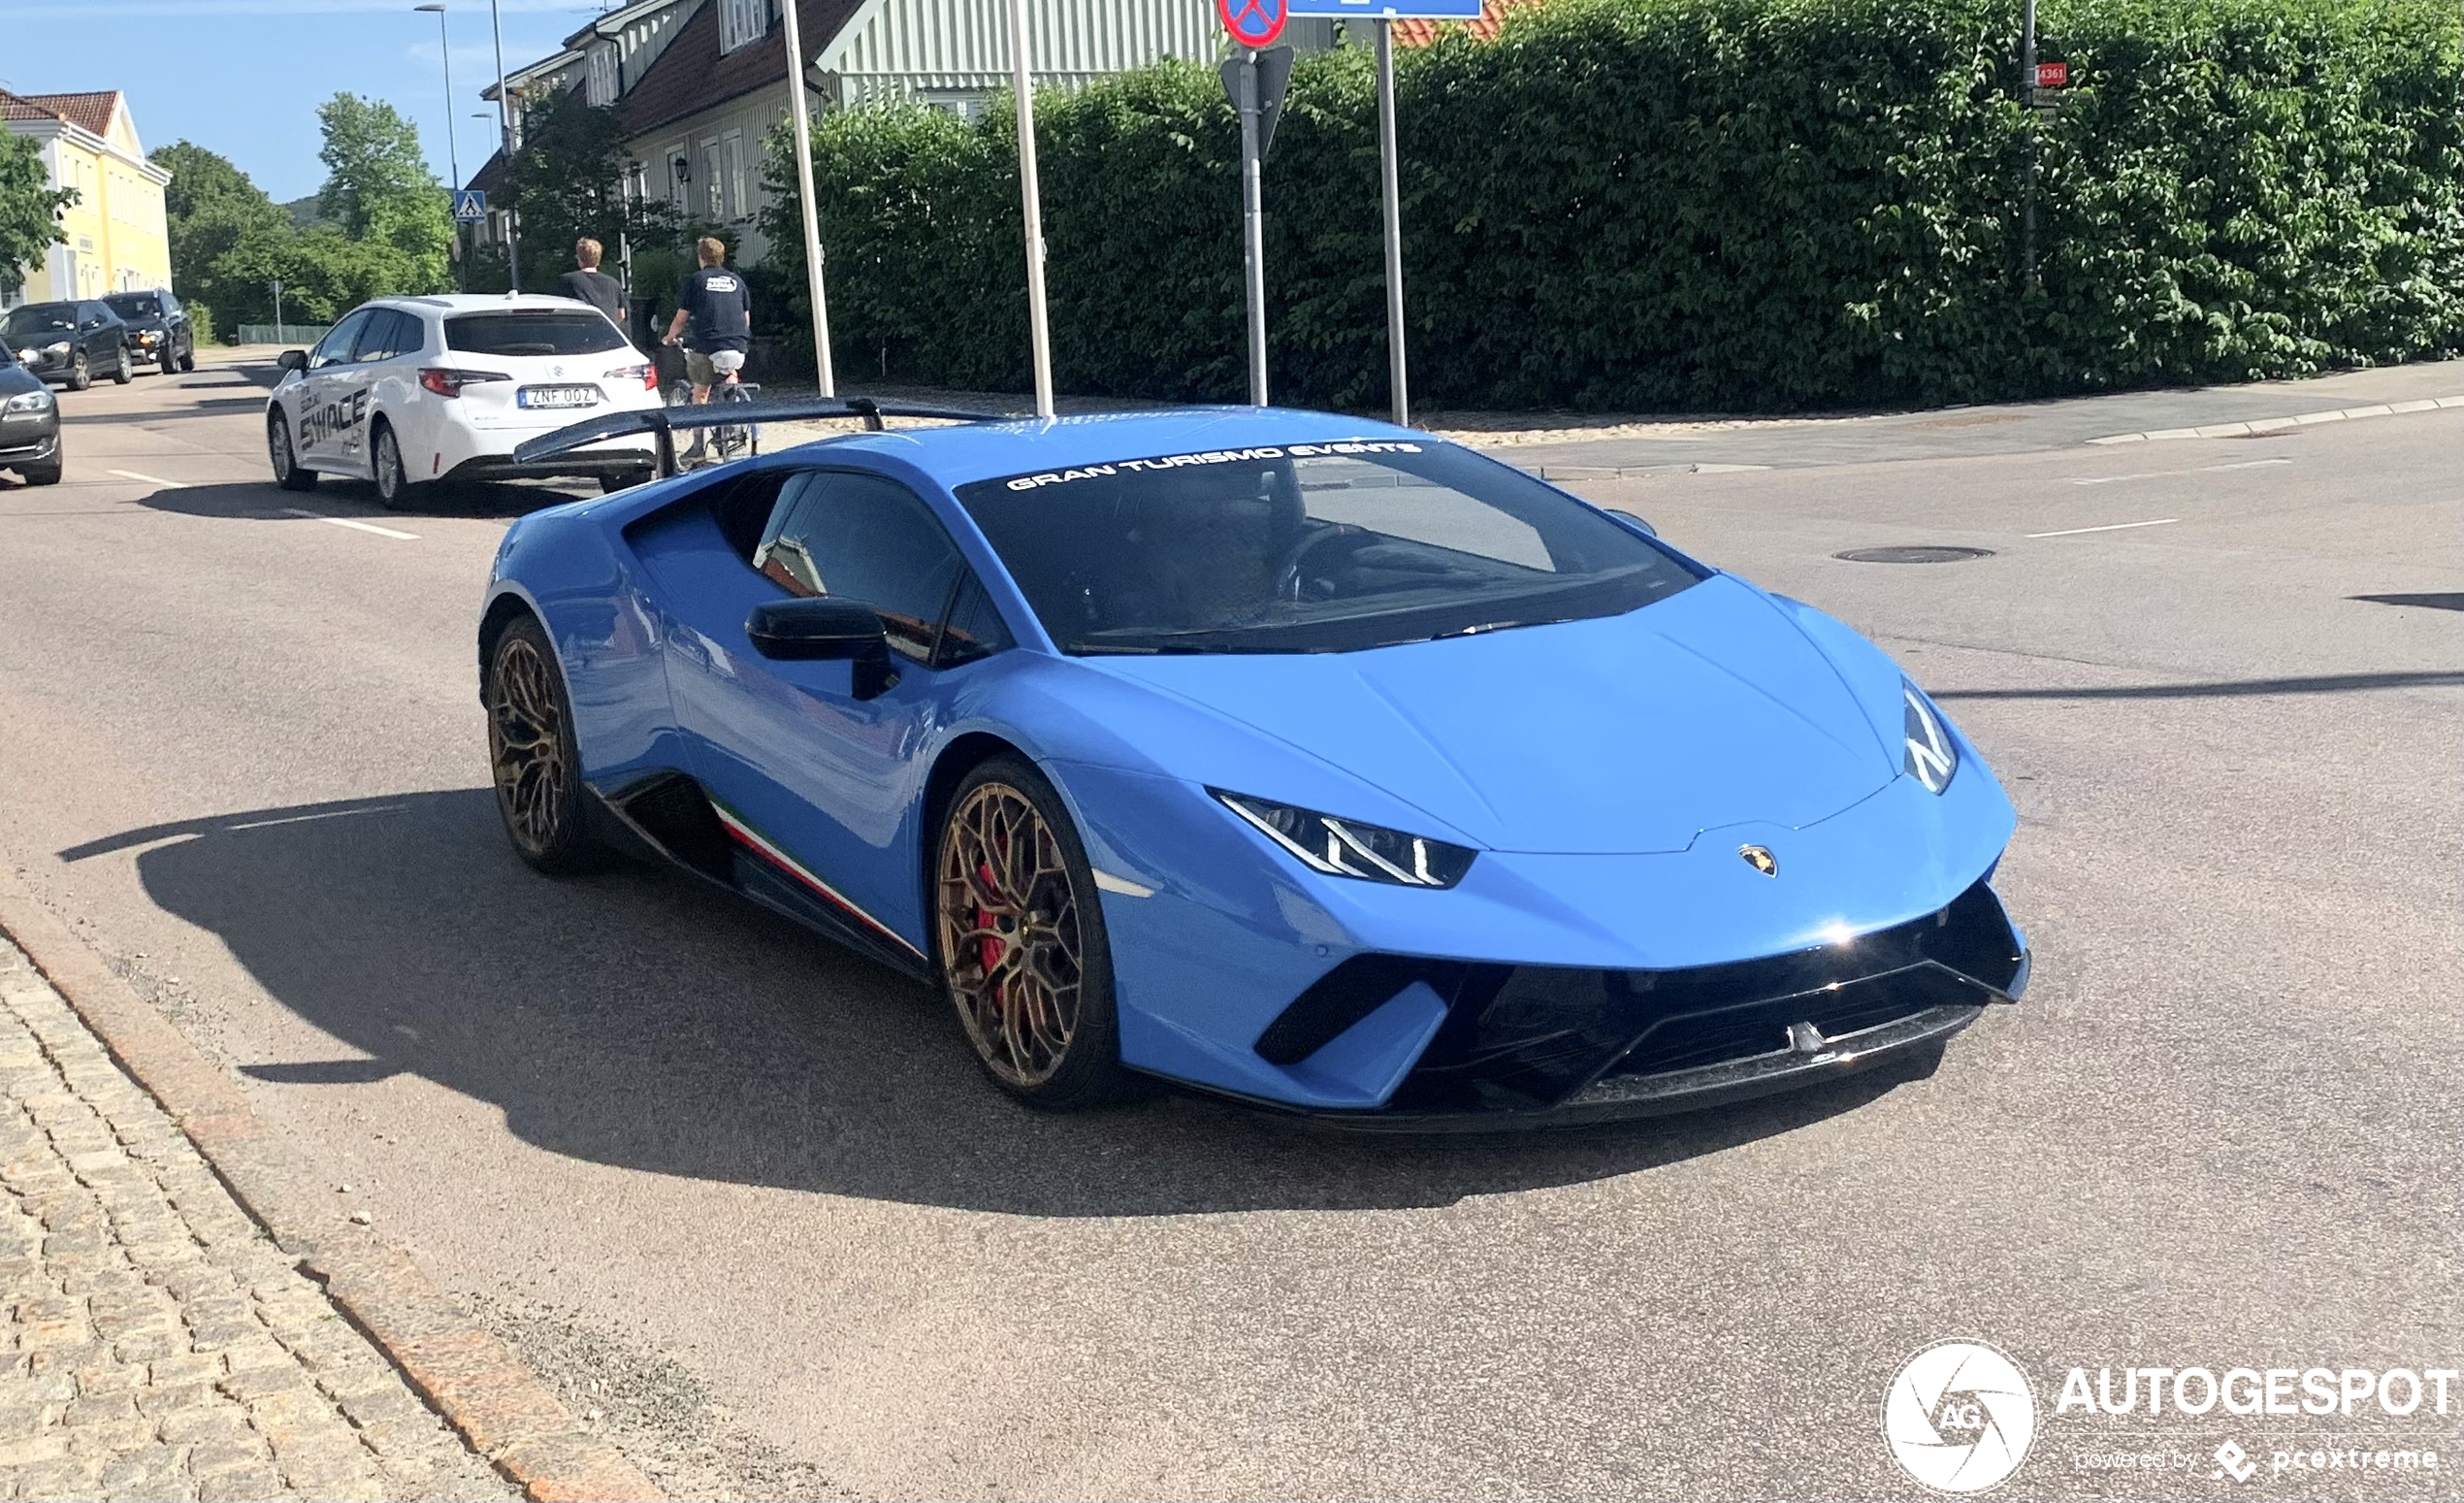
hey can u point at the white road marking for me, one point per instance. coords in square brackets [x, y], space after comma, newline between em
[2279, 424]
[352, 523]
[2158, 474]
[2110, 527]
[152, 480]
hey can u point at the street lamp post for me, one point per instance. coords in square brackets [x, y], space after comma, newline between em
[453, 144]
[505, 126]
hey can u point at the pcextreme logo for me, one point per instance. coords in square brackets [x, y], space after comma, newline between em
[1958, 1416]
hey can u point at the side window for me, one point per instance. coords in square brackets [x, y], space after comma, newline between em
[339, 339]
[861, 538]
[389, 332]
[974, 629]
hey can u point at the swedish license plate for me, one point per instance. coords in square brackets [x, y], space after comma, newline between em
[557, 396]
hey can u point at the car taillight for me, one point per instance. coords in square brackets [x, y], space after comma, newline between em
[647, 375]
[447, 382]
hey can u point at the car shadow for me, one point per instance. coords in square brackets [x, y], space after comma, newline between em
[642, 1019]
[262, 500]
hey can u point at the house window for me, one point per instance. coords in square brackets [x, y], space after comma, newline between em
[713, 184]
[741, 21]
[731, 152]
[603, 86]
[679, 175]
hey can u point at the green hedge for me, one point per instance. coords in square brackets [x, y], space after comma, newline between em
[1699, 204]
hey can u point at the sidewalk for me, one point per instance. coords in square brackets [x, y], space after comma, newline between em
[159, 1345]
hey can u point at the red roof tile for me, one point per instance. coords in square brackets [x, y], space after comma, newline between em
[88, 112]
[1421, 33]
[14, 108]
[689, 76]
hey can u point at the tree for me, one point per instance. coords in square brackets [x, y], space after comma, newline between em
[567, 182]
[209, 207]
[29, 211]
[379, 189]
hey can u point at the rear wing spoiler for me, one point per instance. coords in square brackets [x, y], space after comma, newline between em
[663, 422]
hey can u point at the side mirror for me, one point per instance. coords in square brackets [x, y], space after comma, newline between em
[826, 629]
[292, 360]
[1624, 515]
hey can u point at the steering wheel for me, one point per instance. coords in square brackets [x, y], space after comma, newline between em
[1288, 569]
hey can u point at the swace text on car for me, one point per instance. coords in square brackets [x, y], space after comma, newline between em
[1312, 761]
[159, 329]
[409, 392]
[29, 423]
[69, 343]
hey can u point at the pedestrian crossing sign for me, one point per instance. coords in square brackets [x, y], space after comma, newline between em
[470, 205]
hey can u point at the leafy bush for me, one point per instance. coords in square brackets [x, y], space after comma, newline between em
[1698, 204]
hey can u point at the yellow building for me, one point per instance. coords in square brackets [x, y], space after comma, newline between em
[118, 241]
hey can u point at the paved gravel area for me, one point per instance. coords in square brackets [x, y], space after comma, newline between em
[159, 1346]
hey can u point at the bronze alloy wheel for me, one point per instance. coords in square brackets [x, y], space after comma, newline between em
[526, 744]
[1012, 944]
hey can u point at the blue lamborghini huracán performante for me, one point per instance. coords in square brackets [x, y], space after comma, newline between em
[1295, 757]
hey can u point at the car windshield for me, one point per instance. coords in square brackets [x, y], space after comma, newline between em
[1307, 547]
[134, 305]
[40, 318]
[533, 331]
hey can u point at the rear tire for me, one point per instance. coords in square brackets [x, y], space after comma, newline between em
[395, 488]
[531, 750]
[1019, 941]
[289, 471]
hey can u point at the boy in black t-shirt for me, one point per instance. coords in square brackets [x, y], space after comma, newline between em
[587, 283]
[718, 307]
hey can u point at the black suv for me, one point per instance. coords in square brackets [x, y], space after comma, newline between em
[158, 331]
[70, 343]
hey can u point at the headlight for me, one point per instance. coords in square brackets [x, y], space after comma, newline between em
[60, 349]
[27, 402]
[1932, 756]
[1347, 848]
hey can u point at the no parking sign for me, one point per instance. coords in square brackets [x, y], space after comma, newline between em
[1252, 23]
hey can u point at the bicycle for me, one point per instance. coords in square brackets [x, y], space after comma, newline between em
[732, 441]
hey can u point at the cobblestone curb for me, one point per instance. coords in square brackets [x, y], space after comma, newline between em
[499, 1406]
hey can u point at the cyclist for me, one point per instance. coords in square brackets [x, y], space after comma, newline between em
[714, 322]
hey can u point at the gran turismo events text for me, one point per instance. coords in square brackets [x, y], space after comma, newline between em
[2251, 1391]
[1028, 482]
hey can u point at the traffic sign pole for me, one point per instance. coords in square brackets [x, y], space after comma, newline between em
[1031, 199]
[803, 127]
[1254, 226]
[2027, 105]
[1391, 190]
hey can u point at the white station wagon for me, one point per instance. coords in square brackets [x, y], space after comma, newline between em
[411, 392]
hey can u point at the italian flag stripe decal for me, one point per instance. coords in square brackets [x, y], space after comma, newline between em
[752, 840]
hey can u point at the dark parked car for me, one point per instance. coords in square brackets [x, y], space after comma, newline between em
[29, 423]
[70, 343]
[159, 333]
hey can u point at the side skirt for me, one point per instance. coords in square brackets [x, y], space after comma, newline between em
[677, 820]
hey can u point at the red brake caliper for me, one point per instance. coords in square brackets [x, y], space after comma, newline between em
[987, 948]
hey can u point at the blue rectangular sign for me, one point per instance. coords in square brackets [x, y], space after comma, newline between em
[1392, 10]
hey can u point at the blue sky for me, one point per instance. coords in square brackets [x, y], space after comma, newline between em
[245, 76]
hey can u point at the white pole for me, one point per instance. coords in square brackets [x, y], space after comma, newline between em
[805, 191]
[1038, 322]
[1389, 189]
[504, 134]
[1252, 224]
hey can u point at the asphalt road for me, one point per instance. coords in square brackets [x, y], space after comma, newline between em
[744, 1196]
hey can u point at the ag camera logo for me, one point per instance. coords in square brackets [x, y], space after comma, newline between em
[1959, 1417]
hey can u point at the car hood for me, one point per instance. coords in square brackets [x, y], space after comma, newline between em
[1627, 734]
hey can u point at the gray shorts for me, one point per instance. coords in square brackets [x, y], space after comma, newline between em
[713, 368]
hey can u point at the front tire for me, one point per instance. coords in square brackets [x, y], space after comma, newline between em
[44, 475]
[189, 359]
[1020, 943]
[531, 749]
[289, 471]
[395, 488]
[126, 367]
[81, 372]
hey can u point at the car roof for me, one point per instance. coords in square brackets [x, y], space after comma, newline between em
[965, 452]
[443, 302]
